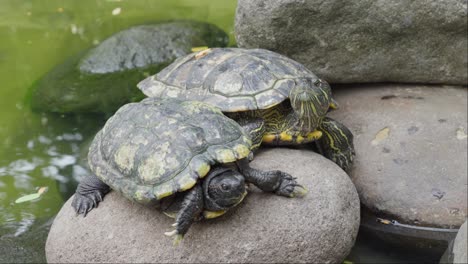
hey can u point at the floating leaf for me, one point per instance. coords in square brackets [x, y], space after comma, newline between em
[32, 196]
[381, 135]
[384, 221]
[116, 11]
[197, 49]
[28, 198]
[42, 190]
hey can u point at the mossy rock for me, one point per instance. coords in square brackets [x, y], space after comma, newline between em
[103, 78]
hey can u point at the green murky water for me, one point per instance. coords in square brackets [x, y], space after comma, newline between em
[42, 150]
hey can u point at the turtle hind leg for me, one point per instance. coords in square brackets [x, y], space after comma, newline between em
[336, 143]
[190, 209]
[278, 182]
[89, 193]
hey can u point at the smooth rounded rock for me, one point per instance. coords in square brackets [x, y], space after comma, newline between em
[362, 41]
[411, 146]
[457, 249]
[460, 245]
[318, 228]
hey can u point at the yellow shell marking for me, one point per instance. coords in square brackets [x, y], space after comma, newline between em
[202, 53]
[141, 196]
[186, 183]
[124, 157]
[242, 151]
[213, 214]
[197, 49]
[226, 155]
[162, 191]
[203, 170]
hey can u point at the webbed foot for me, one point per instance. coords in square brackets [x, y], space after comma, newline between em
[89, 193]
[289, 186]
[85, 203]
[276, 181]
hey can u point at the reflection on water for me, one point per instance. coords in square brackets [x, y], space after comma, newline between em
[42, 156]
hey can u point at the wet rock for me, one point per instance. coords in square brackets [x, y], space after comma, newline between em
[104, 78]
[362, 41]
[319, 228]
[410, 166]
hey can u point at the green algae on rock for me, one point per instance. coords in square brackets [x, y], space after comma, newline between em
[103, 78]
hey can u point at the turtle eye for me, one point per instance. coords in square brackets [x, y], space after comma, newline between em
[225, 187]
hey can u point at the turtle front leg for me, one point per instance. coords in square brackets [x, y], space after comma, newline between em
[89, 193]
[191, 208]
[279, 182]
[336, 143]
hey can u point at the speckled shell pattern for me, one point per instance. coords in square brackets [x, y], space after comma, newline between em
[152, 149]
[232, 79]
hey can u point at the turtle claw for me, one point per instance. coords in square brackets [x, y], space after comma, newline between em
[177, 237]
[171, 233]
[299, 191]
[174, 225]
[84, 203]
[289, 187]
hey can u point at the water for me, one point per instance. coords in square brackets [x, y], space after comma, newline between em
[43, 150]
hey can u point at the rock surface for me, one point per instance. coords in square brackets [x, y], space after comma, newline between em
[105, 77]
[362, 41]
[457, 249]
[460, 245]
[319, 228]
[411, 146]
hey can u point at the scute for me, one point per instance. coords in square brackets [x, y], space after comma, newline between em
[232, 79]
[152, 149]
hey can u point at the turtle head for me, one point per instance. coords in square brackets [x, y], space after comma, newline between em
[311, 100]
[223, 188]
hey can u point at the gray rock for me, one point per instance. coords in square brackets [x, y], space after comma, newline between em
[460, 246]
[362, 41]
[144, 45]
[104, 78]
[319, 228]
[457, 249]
[411, 146]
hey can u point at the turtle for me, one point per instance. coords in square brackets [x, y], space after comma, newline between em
[185, 158]
[276, 99]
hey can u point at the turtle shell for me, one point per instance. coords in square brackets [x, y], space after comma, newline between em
[155, 148]
[232, 79]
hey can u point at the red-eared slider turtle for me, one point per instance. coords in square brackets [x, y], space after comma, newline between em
[276, 99]
[184, 156]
